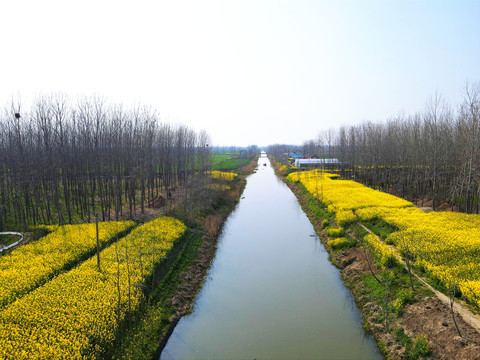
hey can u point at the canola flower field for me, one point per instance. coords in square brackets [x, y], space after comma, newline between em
[223, 175]
[446, 245]
[32, 264]
[76, 315]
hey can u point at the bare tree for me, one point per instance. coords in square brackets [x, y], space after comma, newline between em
[63, 162]
[431, 156]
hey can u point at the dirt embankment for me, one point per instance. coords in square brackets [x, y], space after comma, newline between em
[426, 316]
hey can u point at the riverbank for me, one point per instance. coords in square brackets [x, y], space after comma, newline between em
[406, 324]
[174, 295]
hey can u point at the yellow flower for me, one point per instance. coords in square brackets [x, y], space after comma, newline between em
[77, 312]
[32, 264]
[445, 244]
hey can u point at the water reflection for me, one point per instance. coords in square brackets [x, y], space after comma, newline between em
[271, 292]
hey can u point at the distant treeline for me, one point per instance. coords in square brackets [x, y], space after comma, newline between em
[433, 155]
[62, 162]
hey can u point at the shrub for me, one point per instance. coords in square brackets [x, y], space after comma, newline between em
[339, 243]
[389, 261]
[402, 337]
[403, 297]
[345, 217]
[325, 223]
[283, 170]
[381, 251]
[420, 347]
[334, 232]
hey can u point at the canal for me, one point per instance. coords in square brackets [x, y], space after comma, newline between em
[271, 292]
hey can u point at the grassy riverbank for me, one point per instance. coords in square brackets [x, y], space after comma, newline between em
[408, 324]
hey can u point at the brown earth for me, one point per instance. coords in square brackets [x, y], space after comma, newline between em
[433, 318]
[427, 203]
[427, 316]
[443, 207]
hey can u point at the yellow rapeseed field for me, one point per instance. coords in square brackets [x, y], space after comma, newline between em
[223, 175]
[77, 313]
[344, 194]
[34, 263]
[445, 244]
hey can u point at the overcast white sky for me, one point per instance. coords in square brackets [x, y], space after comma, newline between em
[249, 72]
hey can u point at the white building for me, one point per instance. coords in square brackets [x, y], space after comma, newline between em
[316, 162]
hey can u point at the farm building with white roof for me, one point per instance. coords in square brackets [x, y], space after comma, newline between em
[316, 162]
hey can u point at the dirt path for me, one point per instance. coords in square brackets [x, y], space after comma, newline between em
[470, 318]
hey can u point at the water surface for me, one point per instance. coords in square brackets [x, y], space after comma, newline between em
[271, 292]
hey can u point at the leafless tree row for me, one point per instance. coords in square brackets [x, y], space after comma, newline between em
[432, 155]
[63, 162]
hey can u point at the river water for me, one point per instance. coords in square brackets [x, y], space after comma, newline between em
[271, 292]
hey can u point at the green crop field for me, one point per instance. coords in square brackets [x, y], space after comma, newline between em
[230, 164]
[218, 158]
